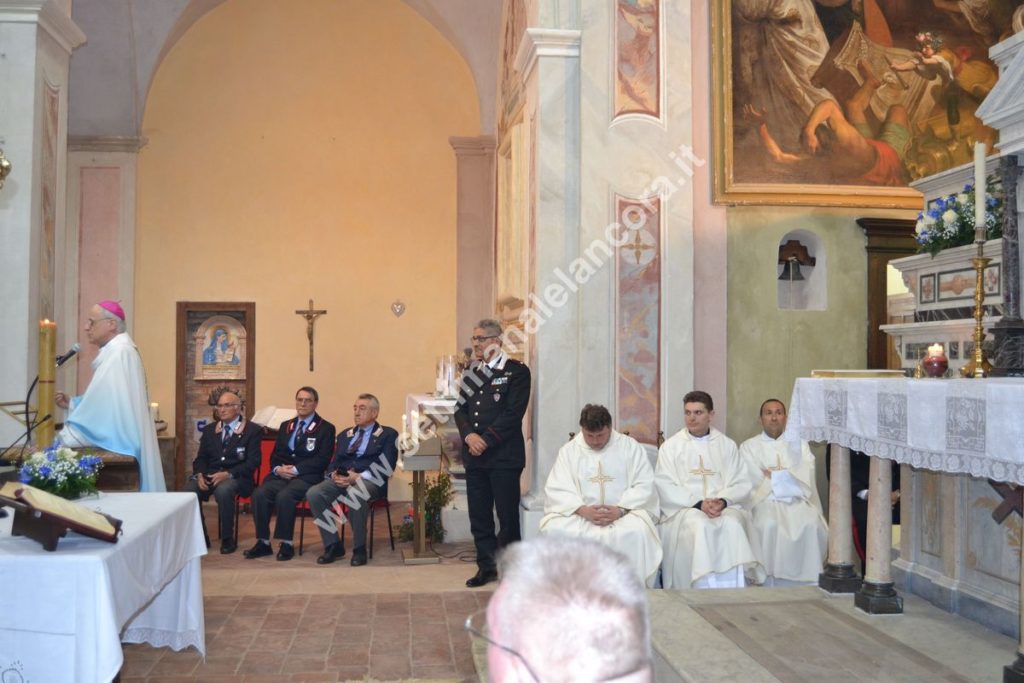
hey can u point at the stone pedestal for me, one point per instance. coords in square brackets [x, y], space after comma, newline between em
[877, 594]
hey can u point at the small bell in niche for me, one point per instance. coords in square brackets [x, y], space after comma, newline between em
[792, 255]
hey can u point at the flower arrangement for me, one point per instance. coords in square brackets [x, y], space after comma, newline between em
[61, 471]
[949, 221]
[438, 494]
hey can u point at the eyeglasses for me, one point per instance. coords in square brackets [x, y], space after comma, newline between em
[304, 401]
[228, 405]
[477, 338]
[476, 624]
[92, 321]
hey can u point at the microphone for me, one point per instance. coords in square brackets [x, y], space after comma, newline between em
[65, 357]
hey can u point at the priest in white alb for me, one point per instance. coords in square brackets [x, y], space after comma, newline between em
[703, 487]
[601, 487]
[113, 413]
[785, 506]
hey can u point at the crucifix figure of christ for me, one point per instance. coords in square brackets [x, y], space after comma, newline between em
[601, 479]
[704, 473]
[311, 315]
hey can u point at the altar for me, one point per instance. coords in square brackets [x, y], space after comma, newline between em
[953, 550]
[64, 614]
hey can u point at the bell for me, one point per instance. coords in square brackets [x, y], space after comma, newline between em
[791, 271]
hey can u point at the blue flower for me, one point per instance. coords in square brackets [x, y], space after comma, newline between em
[45, 471]
[968, 187]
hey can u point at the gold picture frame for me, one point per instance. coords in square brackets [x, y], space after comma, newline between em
[730, 190]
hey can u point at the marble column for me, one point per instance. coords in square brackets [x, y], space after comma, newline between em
[548, 61]
[839, 575]
[474, 230]
[877, 594]
[1008, 333]
[37, 38]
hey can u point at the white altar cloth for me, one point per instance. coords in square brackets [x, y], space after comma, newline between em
[967, 426]
[64, 614]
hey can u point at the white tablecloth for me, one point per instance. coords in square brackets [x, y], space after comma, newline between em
[968, 426]
[64, 614]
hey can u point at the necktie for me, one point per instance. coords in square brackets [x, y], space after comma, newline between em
[353, 445]
[226, 434]
[299, 431]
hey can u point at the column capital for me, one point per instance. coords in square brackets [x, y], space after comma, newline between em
[48, 16]
[545, 42]
[479, 145]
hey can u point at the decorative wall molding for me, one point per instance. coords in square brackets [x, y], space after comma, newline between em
[545, 42]
[48, 16]
[106, 143]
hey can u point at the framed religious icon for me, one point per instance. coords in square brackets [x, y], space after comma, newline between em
[216, 352]
[846, 104]
[220, 348]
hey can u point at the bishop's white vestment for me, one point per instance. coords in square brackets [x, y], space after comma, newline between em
[785, 507]
[699, 548]
[619, 475]
[113, 413]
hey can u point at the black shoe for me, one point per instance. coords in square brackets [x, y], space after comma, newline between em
[285, 552]
[333, 552]
[358, 557]
[228, 546]
[261, 549]
[482, 577]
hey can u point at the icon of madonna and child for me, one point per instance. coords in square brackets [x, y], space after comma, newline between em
[222, 348]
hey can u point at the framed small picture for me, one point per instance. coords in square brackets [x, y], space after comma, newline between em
[993, 280]
[926, 289]
[956, 284]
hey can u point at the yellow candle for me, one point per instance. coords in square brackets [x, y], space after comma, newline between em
[45, 406]
[936, 350]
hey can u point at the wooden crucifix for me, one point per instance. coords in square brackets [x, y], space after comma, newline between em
[310, 315]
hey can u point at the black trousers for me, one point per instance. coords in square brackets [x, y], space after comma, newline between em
[280, 494]
[224, 494]
[488, 491]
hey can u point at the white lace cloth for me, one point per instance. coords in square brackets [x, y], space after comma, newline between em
[64, 615]
[967, 426]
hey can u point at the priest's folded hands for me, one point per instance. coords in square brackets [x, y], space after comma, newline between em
[601, 515]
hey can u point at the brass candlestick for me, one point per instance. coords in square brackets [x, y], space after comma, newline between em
[5, 168]
[978, 366]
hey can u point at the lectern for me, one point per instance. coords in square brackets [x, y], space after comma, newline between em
[426, 459]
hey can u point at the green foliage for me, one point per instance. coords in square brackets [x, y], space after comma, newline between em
[438, 494]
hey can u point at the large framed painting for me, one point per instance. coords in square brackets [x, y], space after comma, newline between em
[841, 103]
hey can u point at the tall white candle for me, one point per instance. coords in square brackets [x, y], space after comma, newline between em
[979, 191]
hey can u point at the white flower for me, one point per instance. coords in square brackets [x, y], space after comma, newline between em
[929, 221]
[962, 197]
[919, 228]
[949, 217]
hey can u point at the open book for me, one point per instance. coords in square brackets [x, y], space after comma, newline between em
[37, 508]
[271, 417]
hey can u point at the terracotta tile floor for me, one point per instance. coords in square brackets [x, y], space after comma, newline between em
[301, 622]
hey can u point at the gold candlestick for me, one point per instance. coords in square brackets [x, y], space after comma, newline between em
[47, 372]
[978, 366]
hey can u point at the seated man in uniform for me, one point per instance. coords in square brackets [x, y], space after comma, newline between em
[702, 485]
[301, 453]
[601, 487]
[229, 455]
[365, 457]
[113, 413]
[785, 507]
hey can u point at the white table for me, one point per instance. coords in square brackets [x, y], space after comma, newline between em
[64, 614]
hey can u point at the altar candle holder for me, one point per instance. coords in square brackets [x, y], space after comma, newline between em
[978, 366]
[45, 406]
